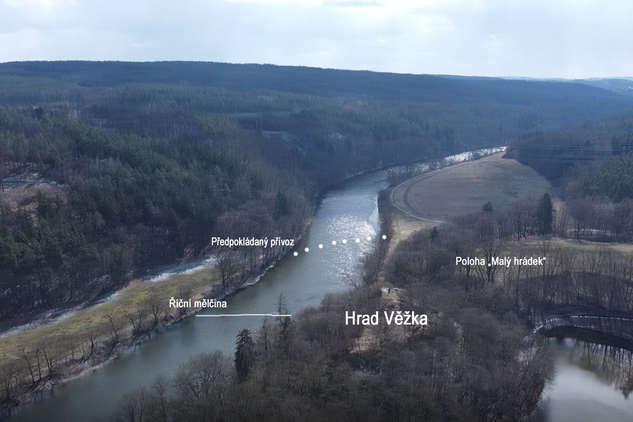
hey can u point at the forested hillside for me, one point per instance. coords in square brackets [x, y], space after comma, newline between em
[553, 153]
[124, 201]
[622, 86]
[593, 166]
[590, 160]
[107, 168]
[474, 361]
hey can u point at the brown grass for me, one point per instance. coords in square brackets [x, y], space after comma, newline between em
[76, 327]
[580, 245]
[465, 188]
[432, 198]
[25, 197]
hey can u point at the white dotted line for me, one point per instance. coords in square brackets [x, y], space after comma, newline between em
[344, 241]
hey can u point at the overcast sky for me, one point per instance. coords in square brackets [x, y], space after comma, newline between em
[537, 38]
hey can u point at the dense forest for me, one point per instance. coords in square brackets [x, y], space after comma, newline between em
[477, 360]
[474, 361]
[122, 201]
[110, 168]
[592, 165]
[554, 153]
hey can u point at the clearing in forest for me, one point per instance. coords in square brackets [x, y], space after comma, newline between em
[465, 188]
[435, 197]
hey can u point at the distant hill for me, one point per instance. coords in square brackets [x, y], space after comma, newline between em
[592, 159]
[155, 157]
[620, 85]
[574, 100]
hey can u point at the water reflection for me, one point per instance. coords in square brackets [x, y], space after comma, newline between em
[611, 365]
[347, 211]
[592, 382]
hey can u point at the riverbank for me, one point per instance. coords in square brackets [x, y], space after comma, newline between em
[50, 316]
[574, 270]
[592, 382]
[590, 336]
[347, 212]
[201, 279]
[68, 348]
[91, 337]
[50, 352]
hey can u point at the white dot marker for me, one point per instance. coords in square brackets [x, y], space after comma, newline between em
[320, 246]
[344, 240]
[307, 249]
[296, 254]
[368, 237]
[357, 240]
[384, 237]
[334, 242]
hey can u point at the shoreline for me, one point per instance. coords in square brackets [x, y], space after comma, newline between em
[76, 370]
[148, 274]
[130, 344]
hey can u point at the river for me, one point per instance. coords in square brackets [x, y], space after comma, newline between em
[592, 382]
[348, 211]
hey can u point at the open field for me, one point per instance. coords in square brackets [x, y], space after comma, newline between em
[580, 245]
[432, 198]
[465, 188]
[24, 197]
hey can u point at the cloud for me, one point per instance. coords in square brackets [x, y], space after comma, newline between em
[352, 3]
[541, 38]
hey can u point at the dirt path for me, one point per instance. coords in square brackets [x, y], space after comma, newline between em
[432, 198]
[464, 188]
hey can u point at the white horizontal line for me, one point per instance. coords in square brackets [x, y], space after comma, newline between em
[242, 315]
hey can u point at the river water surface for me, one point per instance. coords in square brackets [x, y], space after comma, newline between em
[348, 211]
[592, 382]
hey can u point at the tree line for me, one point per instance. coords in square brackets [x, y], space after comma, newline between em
[149, 164]
[475, 360]
[126, 202]
[592, 167]
[597, 278]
